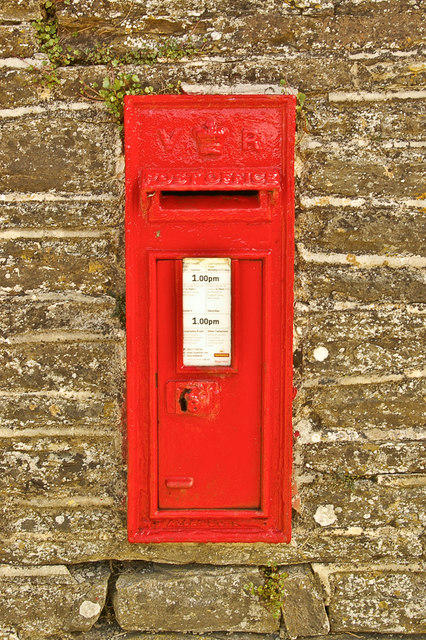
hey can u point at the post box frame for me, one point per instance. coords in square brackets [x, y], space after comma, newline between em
[146, 523]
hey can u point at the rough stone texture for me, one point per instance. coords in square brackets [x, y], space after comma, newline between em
[62, 213]
[320, 74]
[68, 154]
[375, 411]
[81, 366]
[249, 29]
[93, 528]
[41, 265]
[94, 315]
[350, 283]
[389, 601]
[362, 342]
[342, 501]
[389, 74]
[103, 631]
[358, 361]
[61, 467]
[18, 87]
[366, 458]
[118, 9]
[303, 609]
[391, 230]
[390, 121]
[200, 600]
[42, 601]
[19, 10]
[352, 172]
[17, 41]
[33, 411]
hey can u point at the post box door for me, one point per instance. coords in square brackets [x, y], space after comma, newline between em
[210, 418]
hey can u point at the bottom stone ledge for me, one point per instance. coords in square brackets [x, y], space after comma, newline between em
[104, 630]
[366, 636]
[40, 602]
[303, 610]
[191, 599]
[378, 601]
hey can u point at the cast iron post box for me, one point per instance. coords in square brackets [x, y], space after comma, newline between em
[209, 267]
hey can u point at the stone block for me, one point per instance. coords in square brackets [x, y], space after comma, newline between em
[390, 230]
[21, 87]
[382, 601]
[253, 28]
[19, 10]
[364, 459]
[191, 599]
[38, 411]
[346, 33]
[41, 601]
[109, 630]
[20, 316]
[353, 173]
[320, 74]
[62, 521]
[376, 121]
[49, 264]
[391, 74]
[358, 342]
[24, 86]
[102, 9]
[61, 466]
[375, 411]
[355, 544]
[303, 610]
[340, 283]
[18, 87]
[62, 213]
[315, 75]
[94, 367]
[343, 501]
[66, 153]
[370, 7]
[87, 529]
[17, 41]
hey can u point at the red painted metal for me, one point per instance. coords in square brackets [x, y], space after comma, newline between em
[210, 446]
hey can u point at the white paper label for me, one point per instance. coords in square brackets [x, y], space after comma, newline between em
[206, 290]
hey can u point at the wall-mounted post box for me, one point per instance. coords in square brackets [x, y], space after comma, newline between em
[209, 261]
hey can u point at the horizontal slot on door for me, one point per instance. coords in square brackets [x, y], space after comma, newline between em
[195, 200]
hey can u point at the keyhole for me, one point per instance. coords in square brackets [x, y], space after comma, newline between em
[183, 401]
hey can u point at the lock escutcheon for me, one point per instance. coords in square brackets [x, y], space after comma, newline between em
[193, 397]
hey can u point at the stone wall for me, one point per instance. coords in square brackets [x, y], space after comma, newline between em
[355, 561]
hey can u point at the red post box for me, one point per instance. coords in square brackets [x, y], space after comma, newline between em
[209, 262]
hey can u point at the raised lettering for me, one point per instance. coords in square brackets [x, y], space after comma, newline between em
[151, 178]
[272, 177]
[251, 140]
[167, 138]
[240, 178]
[166, 178]
[183, 178]
[227, 177]
[258, 178]
[212, 178]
